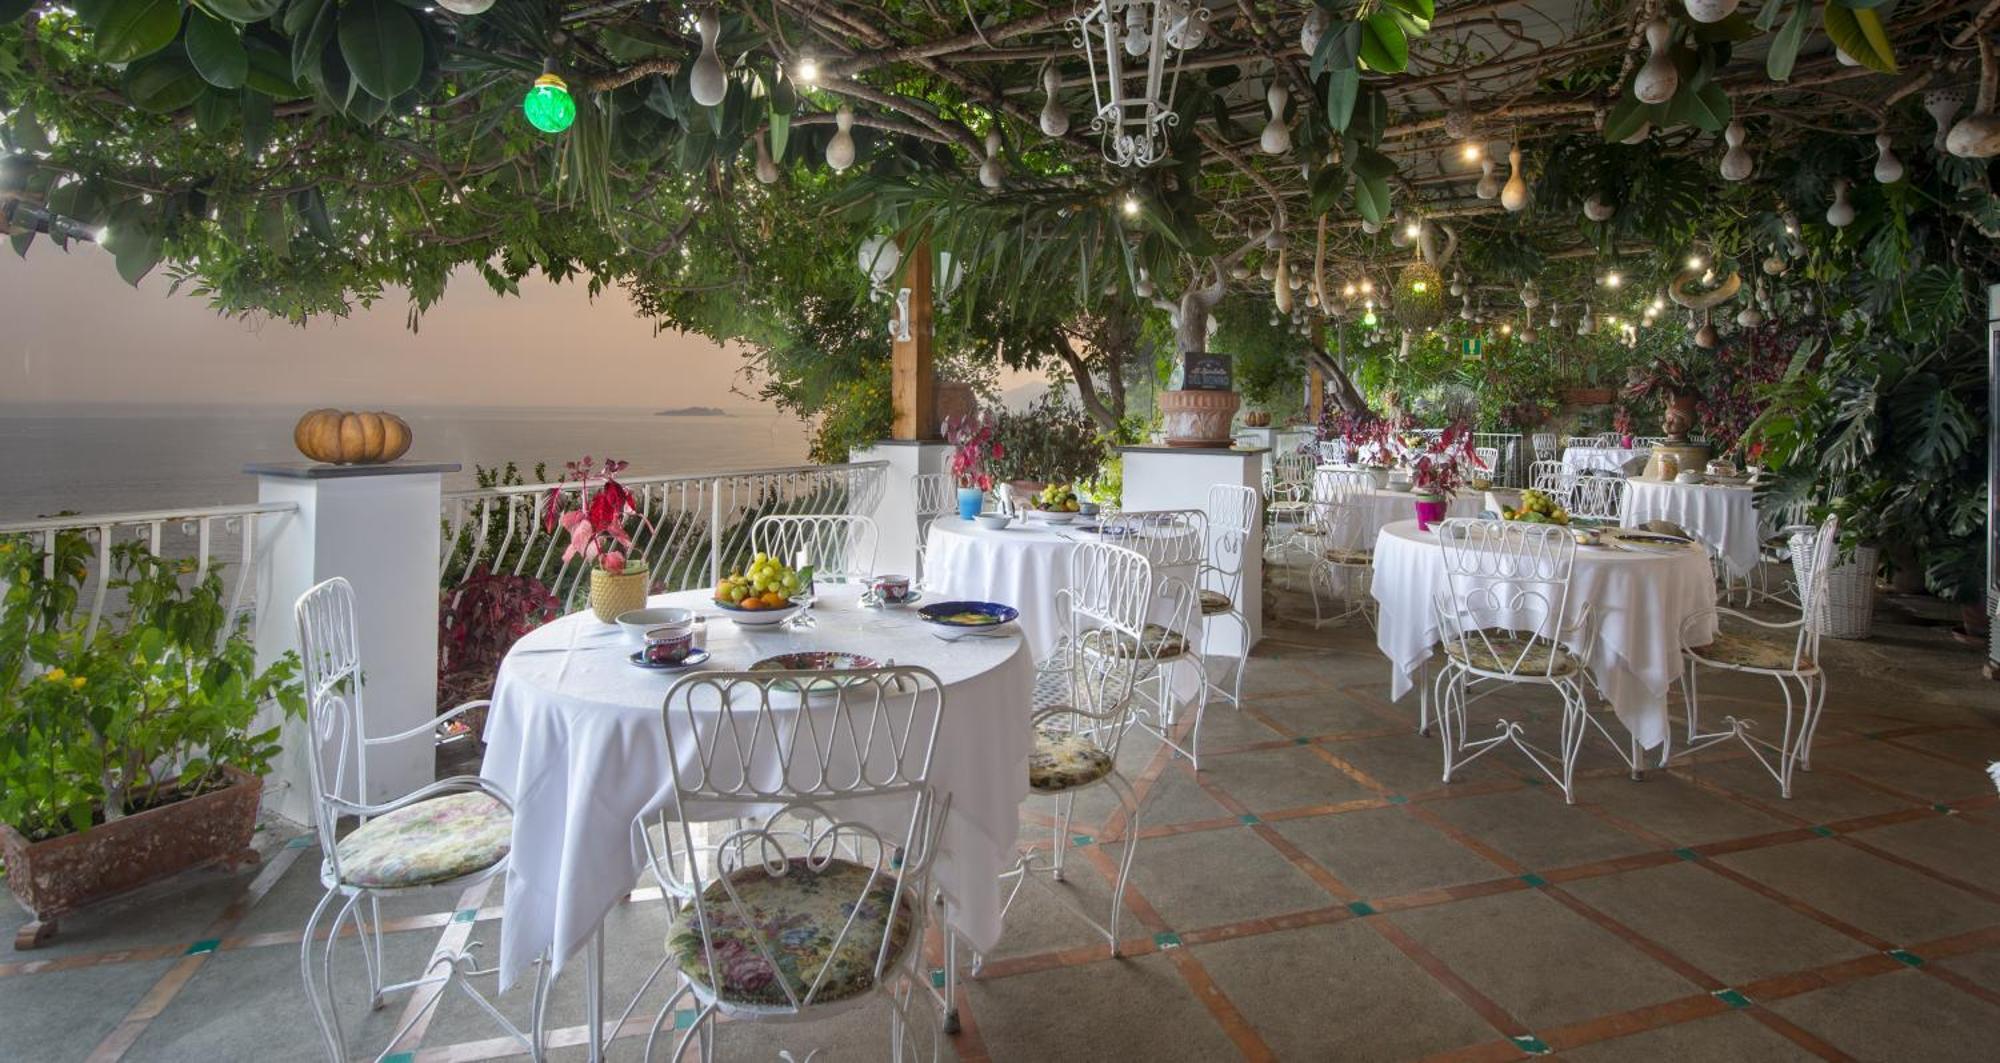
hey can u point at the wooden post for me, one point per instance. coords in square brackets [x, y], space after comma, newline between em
[1316, 380]
[912, 370]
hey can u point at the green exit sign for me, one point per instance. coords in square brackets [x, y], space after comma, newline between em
[1471, 346]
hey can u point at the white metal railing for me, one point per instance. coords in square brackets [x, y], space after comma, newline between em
[693, 528]
[203, 534]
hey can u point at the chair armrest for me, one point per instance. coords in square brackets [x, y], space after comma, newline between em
[432, 725]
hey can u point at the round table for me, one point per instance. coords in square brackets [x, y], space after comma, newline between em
[1722, 515]
[575, 734]
[1638, 602]
[1380, 507]
[1579, 460]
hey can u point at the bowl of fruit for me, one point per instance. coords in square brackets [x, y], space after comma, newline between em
[767, 592]
[1055, 504]
[1537, 507]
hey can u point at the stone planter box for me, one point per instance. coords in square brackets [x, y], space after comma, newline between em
[61, 875]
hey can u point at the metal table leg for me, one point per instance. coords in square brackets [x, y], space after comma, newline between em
[593, 993]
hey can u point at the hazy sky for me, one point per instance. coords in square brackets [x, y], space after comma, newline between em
[75, 331]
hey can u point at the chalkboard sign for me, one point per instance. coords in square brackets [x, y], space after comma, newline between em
[1206, 372]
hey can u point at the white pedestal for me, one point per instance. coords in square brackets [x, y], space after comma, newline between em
[1179, 478]
[377, 525]
[896, 513]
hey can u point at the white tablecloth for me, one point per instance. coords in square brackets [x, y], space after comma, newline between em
[1578, 460]
[1380, 508]
[1637, 603]
[575, 735]
[1724, 517]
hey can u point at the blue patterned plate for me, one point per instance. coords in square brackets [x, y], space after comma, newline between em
[971, 616]
[638, 658]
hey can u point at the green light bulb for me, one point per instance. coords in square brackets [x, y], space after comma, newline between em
[548, 105]
[1368, 319]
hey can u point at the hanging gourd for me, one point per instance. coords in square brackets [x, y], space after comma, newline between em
[466, 7]
[1750, 317]
[767, 170]
[1841, 214]
[1555, 315]
[1977, 135]
[1888, 168]
[1313, 29]
[1586, 324]
[1736, 162]
[1597, 210]
[1943, 105]
[706, 82]
[1514, 197]
[1399, 233]
[1773, 266]
[1489, 180]
[1143, 287]
[1530, 298]
[1370, 226]
[1458, 284]
[840, 149]
[989, 171]
[1658, 79]
[1055, 120]
[1281, 285]
[1277, 139]
[1710, 11]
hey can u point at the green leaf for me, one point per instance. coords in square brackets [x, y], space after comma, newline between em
[1423, 9]
[241, 11]
[1384, 46]
[257, 121]
[382, 46]
[28, 133]
[163, 83]
[137, 247]
[213, 111]
[270, 72]
[1767, 16]
[1862, 5]
[1785, 46]
[216, 50]
[1343, 87]
[1625, 117]
[781, 133]
[1338, 48]
[1369, 162]
[1706, 108]
[1371, 198]
[273, 231]
[1859, 34]
[133, 29]
[22, 241]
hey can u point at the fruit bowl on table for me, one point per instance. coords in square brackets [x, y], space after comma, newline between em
[1054, 516]
[763, 615]
[955, 620]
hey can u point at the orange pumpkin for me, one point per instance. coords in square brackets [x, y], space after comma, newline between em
[342, 437]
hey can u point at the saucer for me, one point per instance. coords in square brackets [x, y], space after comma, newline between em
[870, 600]
[694, 657]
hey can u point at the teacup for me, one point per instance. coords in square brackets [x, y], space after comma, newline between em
[670, 643]
[892, 589]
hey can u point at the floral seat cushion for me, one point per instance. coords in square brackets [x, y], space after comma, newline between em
[1065, 761]
[798, 916]
[428, 842]
[1155, 642]
[1343, 556]
[1214, 602]
[1500, 651]
[1745, 651]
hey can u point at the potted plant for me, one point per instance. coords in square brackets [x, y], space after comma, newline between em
[972, 446]
[128, 749]
[1621, 423]
[1051, 442]
[1437, 472]
[1677, 381]
[597, 535]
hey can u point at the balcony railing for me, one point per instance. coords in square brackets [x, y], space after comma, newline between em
[694, 527]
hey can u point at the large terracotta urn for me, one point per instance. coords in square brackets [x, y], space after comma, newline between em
[1198, 418]
[1680, 416]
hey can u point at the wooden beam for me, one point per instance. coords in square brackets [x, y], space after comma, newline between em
[1315, 379]
[912, 367]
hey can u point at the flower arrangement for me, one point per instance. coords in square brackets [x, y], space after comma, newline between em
[1621, 423]
[1368, 437]
[1437, 466]
[973, 444]
[597, 525]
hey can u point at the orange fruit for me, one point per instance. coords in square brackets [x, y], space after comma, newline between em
[774, 599]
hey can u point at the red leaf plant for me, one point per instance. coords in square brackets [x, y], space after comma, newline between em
[1437, 466]
[972, 446]
[597, 525]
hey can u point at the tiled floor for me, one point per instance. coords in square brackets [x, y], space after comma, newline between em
[1314, 893]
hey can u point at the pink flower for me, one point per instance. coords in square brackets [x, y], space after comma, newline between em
[614, 562]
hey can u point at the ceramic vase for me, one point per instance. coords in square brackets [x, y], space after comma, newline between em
[615, 593]
[1430, 510]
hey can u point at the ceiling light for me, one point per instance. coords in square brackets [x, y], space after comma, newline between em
[1349, 290]
[1420, 287]
[1506, 329]
[1131, 206]
[1695, 262]
[807, 71]
[1612, 279]
[1414, 229]
[1472, 152]
[1367, 285]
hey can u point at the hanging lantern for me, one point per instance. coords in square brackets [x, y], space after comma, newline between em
[548, 104]
[1134, 119]
[840, 149]
[879, 258]
[706, 81]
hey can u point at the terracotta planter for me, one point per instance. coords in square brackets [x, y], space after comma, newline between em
[1680, 418]
[56, 877]
[1198, 418]
[1257, 419]
[1026, 490]
[1588, 396]
[615, 593]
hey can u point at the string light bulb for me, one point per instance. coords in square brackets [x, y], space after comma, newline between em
[806, 70]
[1130, 206]
[1612, 279]
[1471, 152]
[1695, 262]
[548, 105]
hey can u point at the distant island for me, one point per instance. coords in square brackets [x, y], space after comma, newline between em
[692, 411]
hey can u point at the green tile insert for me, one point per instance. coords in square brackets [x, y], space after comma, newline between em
[1944, 808]
[1361, 908]
[1398, 799]
[204, 945]
[1534, 880]
[1906, 957]
[1824, 832]
[465, 915]
[1687, 854]
[1249, 819]
[1080, 840]
[401, 1057]
[683, 1020]
[1530, 1044]
[1302, 741]
[937, 978]
[303, 841]
[1167, 939]
[1732, 998]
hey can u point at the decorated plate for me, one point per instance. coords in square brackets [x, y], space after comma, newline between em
[815, 661]
[1646, 542]
[695, 657]
[970, 616]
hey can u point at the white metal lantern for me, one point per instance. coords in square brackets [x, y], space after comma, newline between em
[1133, 114]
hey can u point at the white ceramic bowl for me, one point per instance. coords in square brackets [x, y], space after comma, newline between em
[762, 617]
[1052, 516]
[637, 622]
[993, 521]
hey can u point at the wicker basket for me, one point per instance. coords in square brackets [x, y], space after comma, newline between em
[614, 594]
[1849, 612]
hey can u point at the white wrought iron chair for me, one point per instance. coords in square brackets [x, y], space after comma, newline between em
[448, 834]
[1598, 498]
[1774, 550]
[1543, 447]
[1232, 515]
[1172, 541]
[1793, 662]
[1290, 495]
[1339, 545]
[840, 549]
[1489, 461]
[937, 496]
[814, 899]
[1506, 621]
[1084, 703]
[1551, 478]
